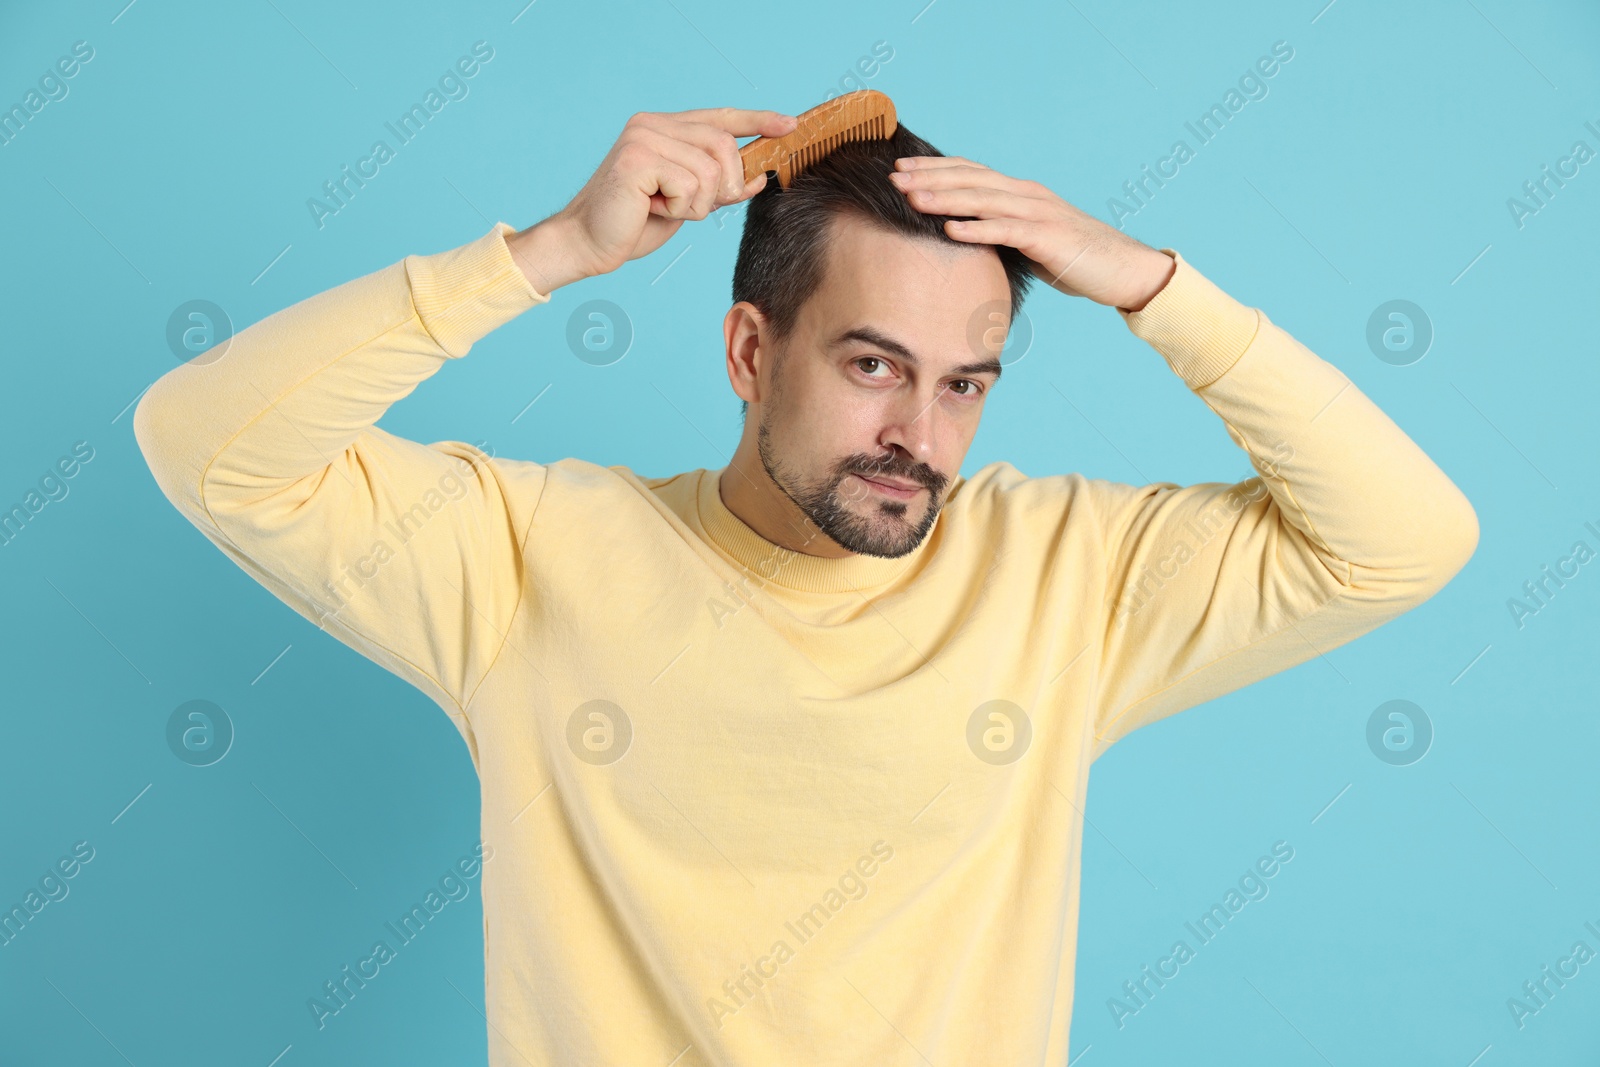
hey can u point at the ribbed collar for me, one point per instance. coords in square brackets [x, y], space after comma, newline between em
[786, 567]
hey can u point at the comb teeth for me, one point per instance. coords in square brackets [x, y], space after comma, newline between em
[865, 114]
[870, 130]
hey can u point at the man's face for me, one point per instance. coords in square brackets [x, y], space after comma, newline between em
[880, 386]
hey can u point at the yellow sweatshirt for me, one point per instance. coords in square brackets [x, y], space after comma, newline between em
[750, 807]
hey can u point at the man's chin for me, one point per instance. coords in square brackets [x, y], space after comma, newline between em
[875, 534]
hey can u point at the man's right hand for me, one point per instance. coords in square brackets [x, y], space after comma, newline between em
[665, 167]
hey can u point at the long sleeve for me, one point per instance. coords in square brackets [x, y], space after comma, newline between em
[408, 553]
[1346, 524]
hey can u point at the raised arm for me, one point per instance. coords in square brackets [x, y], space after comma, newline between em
[1213, 586]
[409, 553]
[1346, 524]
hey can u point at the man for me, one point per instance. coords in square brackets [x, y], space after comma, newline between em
[784, 763]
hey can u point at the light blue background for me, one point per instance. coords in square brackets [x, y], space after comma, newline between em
[1377, 168]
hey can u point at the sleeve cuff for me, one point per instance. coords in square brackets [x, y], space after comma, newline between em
[466, 293]
[1199, 330]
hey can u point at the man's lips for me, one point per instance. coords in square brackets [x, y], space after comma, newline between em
[897, 489]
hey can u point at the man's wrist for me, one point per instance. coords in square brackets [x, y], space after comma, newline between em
[1155, 271]
[543, 255]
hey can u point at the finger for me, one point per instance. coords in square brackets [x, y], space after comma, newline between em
[691, 157]
[722, 147]
[934, 162]
[740, 122]
[977, 177]
[676, 185]
[660, 206]
[985, 203]
[1005, 231]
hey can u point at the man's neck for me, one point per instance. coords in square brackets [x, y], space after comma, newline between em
[751, 494]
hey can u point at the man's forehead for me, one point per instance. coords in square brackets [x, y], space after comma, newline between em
[917, 284]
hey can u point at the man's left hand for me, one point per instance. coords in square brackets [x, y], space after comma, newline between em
[1072, 251]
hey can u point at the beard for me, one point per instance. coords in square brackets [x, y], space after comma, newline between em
[885, 532]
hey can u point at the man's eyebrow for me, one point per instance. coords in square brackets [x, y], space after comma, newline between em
[878, 339]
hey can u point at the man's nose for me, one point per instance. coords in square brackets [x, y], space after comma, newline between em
[912, 424]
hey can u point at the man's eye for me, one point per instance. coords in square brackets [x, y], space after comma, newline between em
[869, 359]
[973, 390]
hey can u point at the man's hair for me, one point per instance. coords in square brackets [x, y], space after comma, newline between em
[782, 252]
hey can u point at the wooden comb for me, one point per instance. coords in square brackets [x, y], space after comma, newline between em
[863, 115]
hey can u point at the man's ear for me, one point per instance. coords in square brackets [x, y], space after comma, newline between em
[743, 330]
